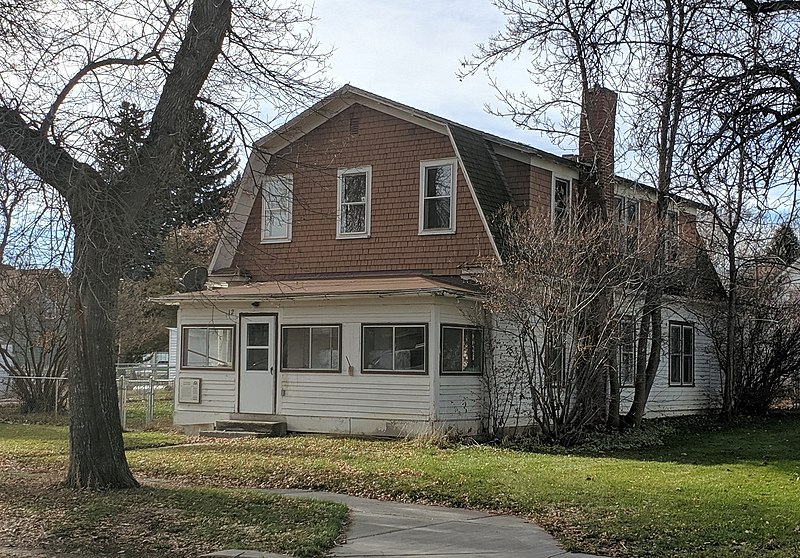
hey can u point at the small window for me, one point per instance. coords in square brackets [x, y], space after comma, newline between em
[276, 202]
[394, 348]
[437, 197]
[207, 347]
[310, 348]
[671, 237]
[462, 350]
[353, 214]
[562, 195]
[555, 362]
[627, 351]
[681, 354]
[628, 220]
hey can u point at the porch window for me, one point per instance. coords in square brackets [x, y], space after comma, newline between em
[437, 197]
[353, 215]
[681, 354]
[394, 348]
[207, 347]
[555, 362]
[276, 204]
[462, 350]
[310, 348]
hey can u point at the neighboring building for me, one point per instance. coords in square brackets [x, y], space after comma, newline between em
[339, 296]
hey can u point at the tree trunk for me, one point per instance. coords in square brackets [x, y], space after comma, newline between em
[97, 452]
[728, 385]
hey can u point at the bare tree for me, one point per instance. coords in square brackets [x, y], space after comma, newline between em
[33, 340]
[62, 78]
[543, 297]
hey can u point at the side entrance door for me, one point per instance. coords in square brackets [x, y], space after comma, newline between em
[257, 364]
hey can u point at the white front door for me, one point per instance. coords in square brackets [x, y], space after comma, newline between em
[257, 364]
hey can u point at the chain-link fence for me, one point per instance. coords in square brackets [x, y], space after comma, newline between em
[144, 402]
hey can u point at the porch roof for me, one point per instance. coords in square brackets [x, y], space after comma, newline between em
[349, 287]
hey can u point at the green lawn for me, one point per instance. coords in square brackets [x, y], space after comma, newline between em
[711, 492]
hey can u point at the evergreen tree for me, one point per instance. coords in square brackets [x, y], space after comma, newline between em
[195, 190]
[784, 245]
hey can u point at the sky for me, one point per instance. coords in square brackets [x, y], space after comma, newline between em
[410, 50]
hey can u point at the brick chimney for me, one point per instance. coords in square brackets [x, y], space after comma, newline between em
[596, 140]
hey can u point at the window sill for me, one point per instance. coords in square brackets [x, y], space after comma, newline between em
[309, 371]
[352, 236]
[436, 232]
[395, 372]
[467, 374]
[275, 240]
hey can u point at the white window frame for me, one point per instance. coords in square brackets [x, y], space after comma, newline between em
[627, 227]
[553, 198]
[340, 202]
[268, 205]
[423, 167]
[682, 355]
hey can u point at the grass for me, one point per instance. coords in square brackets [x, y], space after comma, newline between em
[154, 521]
[706, 492]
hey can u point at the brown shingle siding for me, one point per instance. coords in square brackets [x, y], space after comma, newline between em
[394, 149]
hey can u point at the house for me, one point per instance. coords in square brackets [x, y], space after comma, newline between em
[339, 296]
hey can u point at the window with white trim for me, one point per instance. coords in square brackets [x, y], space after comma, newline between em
[555, 362]
[681, 354]
[462, 350]
[394, 348]
[309, 348]
[353, 210]
[437, 197]
[276, 204]
[628, 221]
[562, 198]
[207, 347]
[627, 351]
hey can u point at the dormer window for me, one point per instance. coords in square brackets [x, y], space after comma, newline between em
[276, 204]
[353, 212]
[437, 197]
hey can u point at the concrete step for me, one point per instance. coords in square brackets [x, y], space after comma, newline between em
[265, 427]
[258, 417]
[231, 434]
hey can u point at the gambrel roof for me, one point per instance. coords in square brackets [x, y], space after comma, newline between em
[475, 150]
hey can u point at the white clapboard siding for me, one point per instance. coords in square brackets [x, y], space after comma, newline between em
[217, 391]
[460, 398]
[378, 396]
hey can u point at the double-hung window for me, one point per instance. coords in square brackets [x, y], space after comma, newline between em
[276, 203]
[353, 212]
[394, 348]
[207, 347]
[681, 354]
[310, 348]
[462, 350]
[562, 196]
[555, 362]
[671, 237]
[437, 197]
[627, 351]
[628, 220]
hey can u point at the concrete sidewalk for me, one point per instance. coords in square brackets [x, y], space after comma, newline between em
[394, 529]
